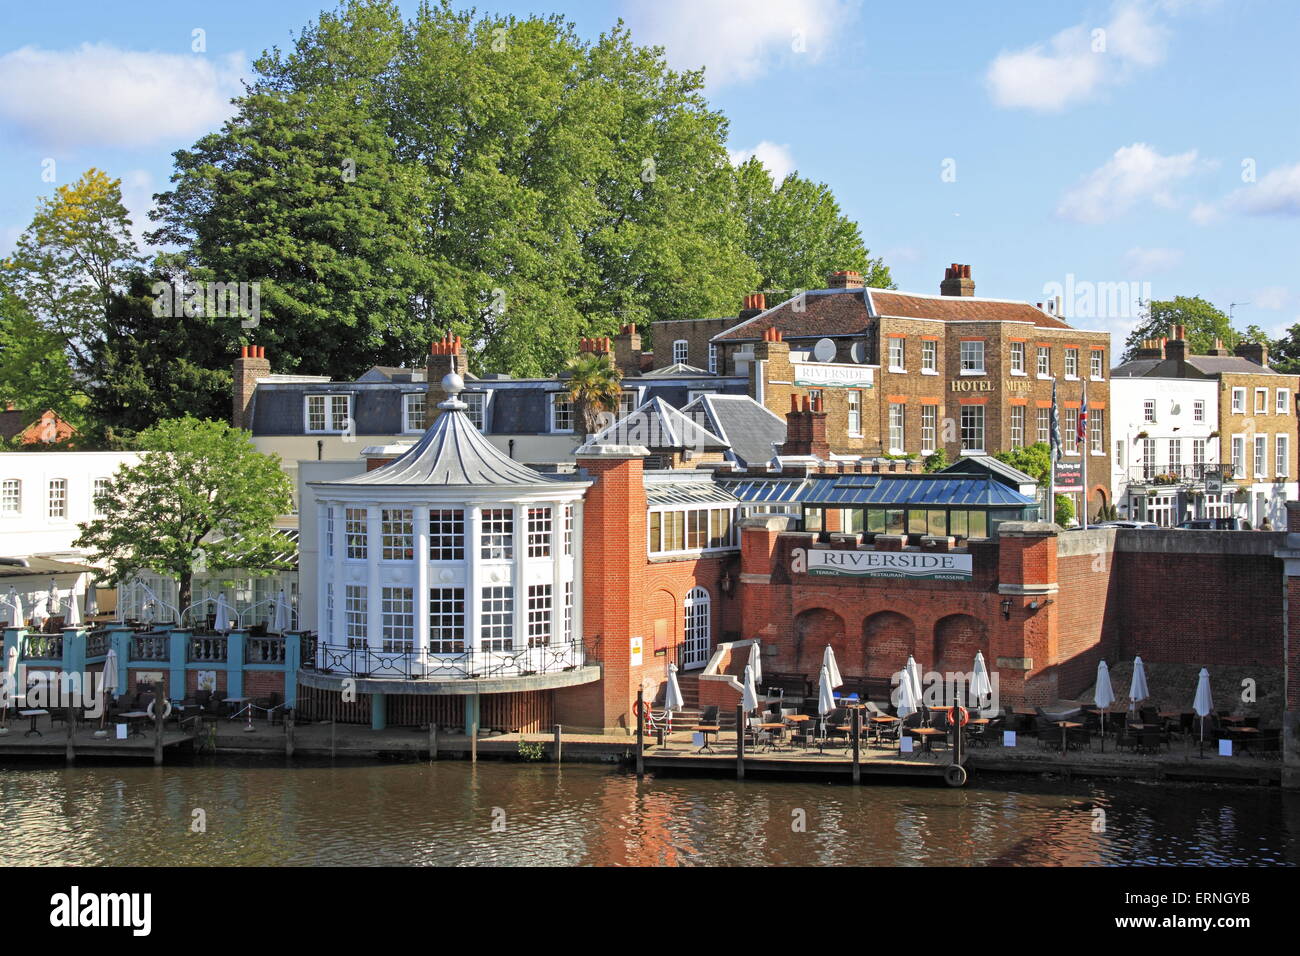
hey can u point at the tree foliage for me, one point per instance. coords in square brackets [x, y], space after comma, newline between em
[201, 496]
[71, 260]
[1203, 321]
[492, 177]
[34, 369]
[595, 386]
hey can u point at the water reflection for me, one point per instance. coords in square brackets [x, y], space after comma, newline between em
[455, 813]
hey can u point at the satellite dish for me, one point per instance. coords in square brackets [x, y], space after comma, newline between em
[858, 352]
[824, 350]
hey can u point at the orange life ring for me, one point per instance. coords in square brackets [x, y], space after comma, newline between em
[960, 715]
[638, 706]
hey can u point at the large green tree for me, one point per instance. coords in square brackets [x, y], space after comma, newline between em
[498, 178]
[1204, 322]
[34, 370]
[200, 496]
[795, 233]
[71, 260]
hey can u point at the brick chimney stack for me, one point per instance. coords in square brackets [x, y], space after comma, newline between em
[1176, 348]
[598, 346]
[251, 365]
[844, 279]
[1149, 349]
[755, 304]
[1218, 349]
[1256, 352]
[445, 356]
[805, 429]
[627, 350]
[957, 281]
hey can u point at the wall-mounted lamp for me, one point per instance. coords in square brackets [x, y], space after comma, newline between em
[1006, 608]
[727, 583]
[1035, 605]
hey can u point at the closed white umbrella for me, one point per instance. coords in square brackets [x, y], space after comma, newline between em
[281, 613]
[92, 601]
[1137, 689]
[73, 617]
[749, 696]
[673, 699]
[1104, 697]
[756, 664]
[914, 676]
[1204, 702]
[40, 612]
[223, 614]
[11, 677]
[825, 695]
[832, 669]
[980, 686]
[108, 682]
[908, 702]
[14, 601]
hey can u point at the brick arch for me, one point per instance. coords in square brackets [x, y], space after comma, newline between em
[887, 639]
[664, 618]
[814, 628]
[956, 639]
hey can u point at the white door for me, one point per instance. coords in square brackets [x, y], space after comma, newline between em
[698, 632]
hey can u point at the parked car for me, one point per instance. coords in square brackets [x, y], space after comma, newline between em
[1128, 524]
[1215, 524]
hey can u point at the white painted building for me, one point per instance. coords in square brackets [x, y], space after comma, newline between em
[1165, 433]
[452, 549]
[44, 496]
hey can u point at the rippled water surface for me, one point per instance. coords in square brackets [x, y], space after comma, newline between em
[453, 813]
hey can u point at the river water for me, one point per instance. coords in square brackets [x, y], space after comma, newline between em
[456, 813]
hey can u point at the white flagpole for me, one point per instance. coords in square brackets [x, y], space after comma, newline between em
[1084, 450]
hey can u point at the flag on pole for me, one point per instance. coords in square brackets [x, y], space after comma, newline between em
[1082, 434]
[1056, 426]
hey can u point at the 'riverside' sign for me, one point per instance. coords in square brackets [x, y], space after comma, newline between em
[883, 564]
[832, 376]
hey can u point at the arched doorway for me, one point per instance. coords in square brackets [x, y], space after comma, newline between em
[813, 630]
[888, 638]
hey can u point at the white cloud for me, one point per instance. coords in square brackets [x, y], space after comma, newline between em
[137, 196]
[103, 96]
[738, 42]
[1273, 297]
[1077, 62]
[1276, 194]
[1144, 261]
[775, 156]
[1134, 174]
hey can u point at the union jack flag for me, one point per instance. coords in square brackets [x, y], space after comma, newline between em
[1083, 420]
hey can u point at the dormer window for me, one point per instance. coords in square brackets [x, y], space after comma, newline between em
[328, 414]
[681, 351]
[561, 413]
[413, 405]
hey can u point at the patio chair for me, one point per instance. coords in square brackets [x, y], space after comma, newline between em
[1149, 740]
[838, 725]
[757, 735]
[1267, 744]
[1078, 738]
[708, 724]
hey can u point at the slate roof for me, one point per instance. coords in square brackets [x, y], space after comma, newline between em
[657, 425]
[1204, 366]
[747, 427]
[452, 452]
[831, 312]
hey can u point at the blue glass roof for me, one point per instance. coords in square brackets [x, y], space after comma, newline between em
[765, 490]
[952, 490]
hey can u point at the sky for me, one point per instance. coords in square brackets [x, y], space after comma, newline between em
[1057, 148]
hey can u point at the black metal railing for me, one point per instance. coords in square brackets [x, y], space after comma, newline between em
[1166, 474]
[152, 646]
[308, 648]
[264, 650]
[43, 647]
[420, 664]
[207, 648]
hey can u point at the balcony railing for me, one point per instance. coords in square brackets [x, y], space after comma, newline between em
[97, 643]
[207, 648]
[421, 664]
[152, 646]
[264, 650]
[1166, 474]
[43, 647]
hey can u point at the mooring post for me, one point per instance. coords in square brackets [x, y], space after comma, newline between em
[473, 742]
[556, 754]
[433, 740]
[71, 754]
[640, 732]
[288, 734]
[740, 741]
[159, 708]
[857, 727]
[333, 724]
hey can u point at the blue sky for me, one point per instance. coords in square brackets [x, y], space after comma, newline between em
[1147, 141]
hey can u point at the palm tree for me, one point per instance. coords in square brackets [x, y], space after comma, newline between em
[595, 386]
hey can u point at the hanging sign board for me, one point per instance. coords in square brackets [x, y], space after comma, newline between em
[883, 564]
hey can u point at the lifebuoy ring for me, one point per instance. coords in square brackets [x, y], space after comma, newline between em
[960, 715]
[167, 710]
[641, 708]
[955, 775]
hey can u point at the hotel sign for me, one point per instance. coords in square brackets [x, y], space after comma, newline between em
[912, 565]
[1069, 476]
[825, 375]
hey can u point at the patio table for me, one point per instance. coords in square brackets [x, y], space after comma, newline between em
[133, 718]
[925, 733]
[1068, 725]
[33, 714]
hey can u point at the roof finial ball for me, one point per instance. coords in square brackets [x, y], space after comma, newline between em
[453, 385]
